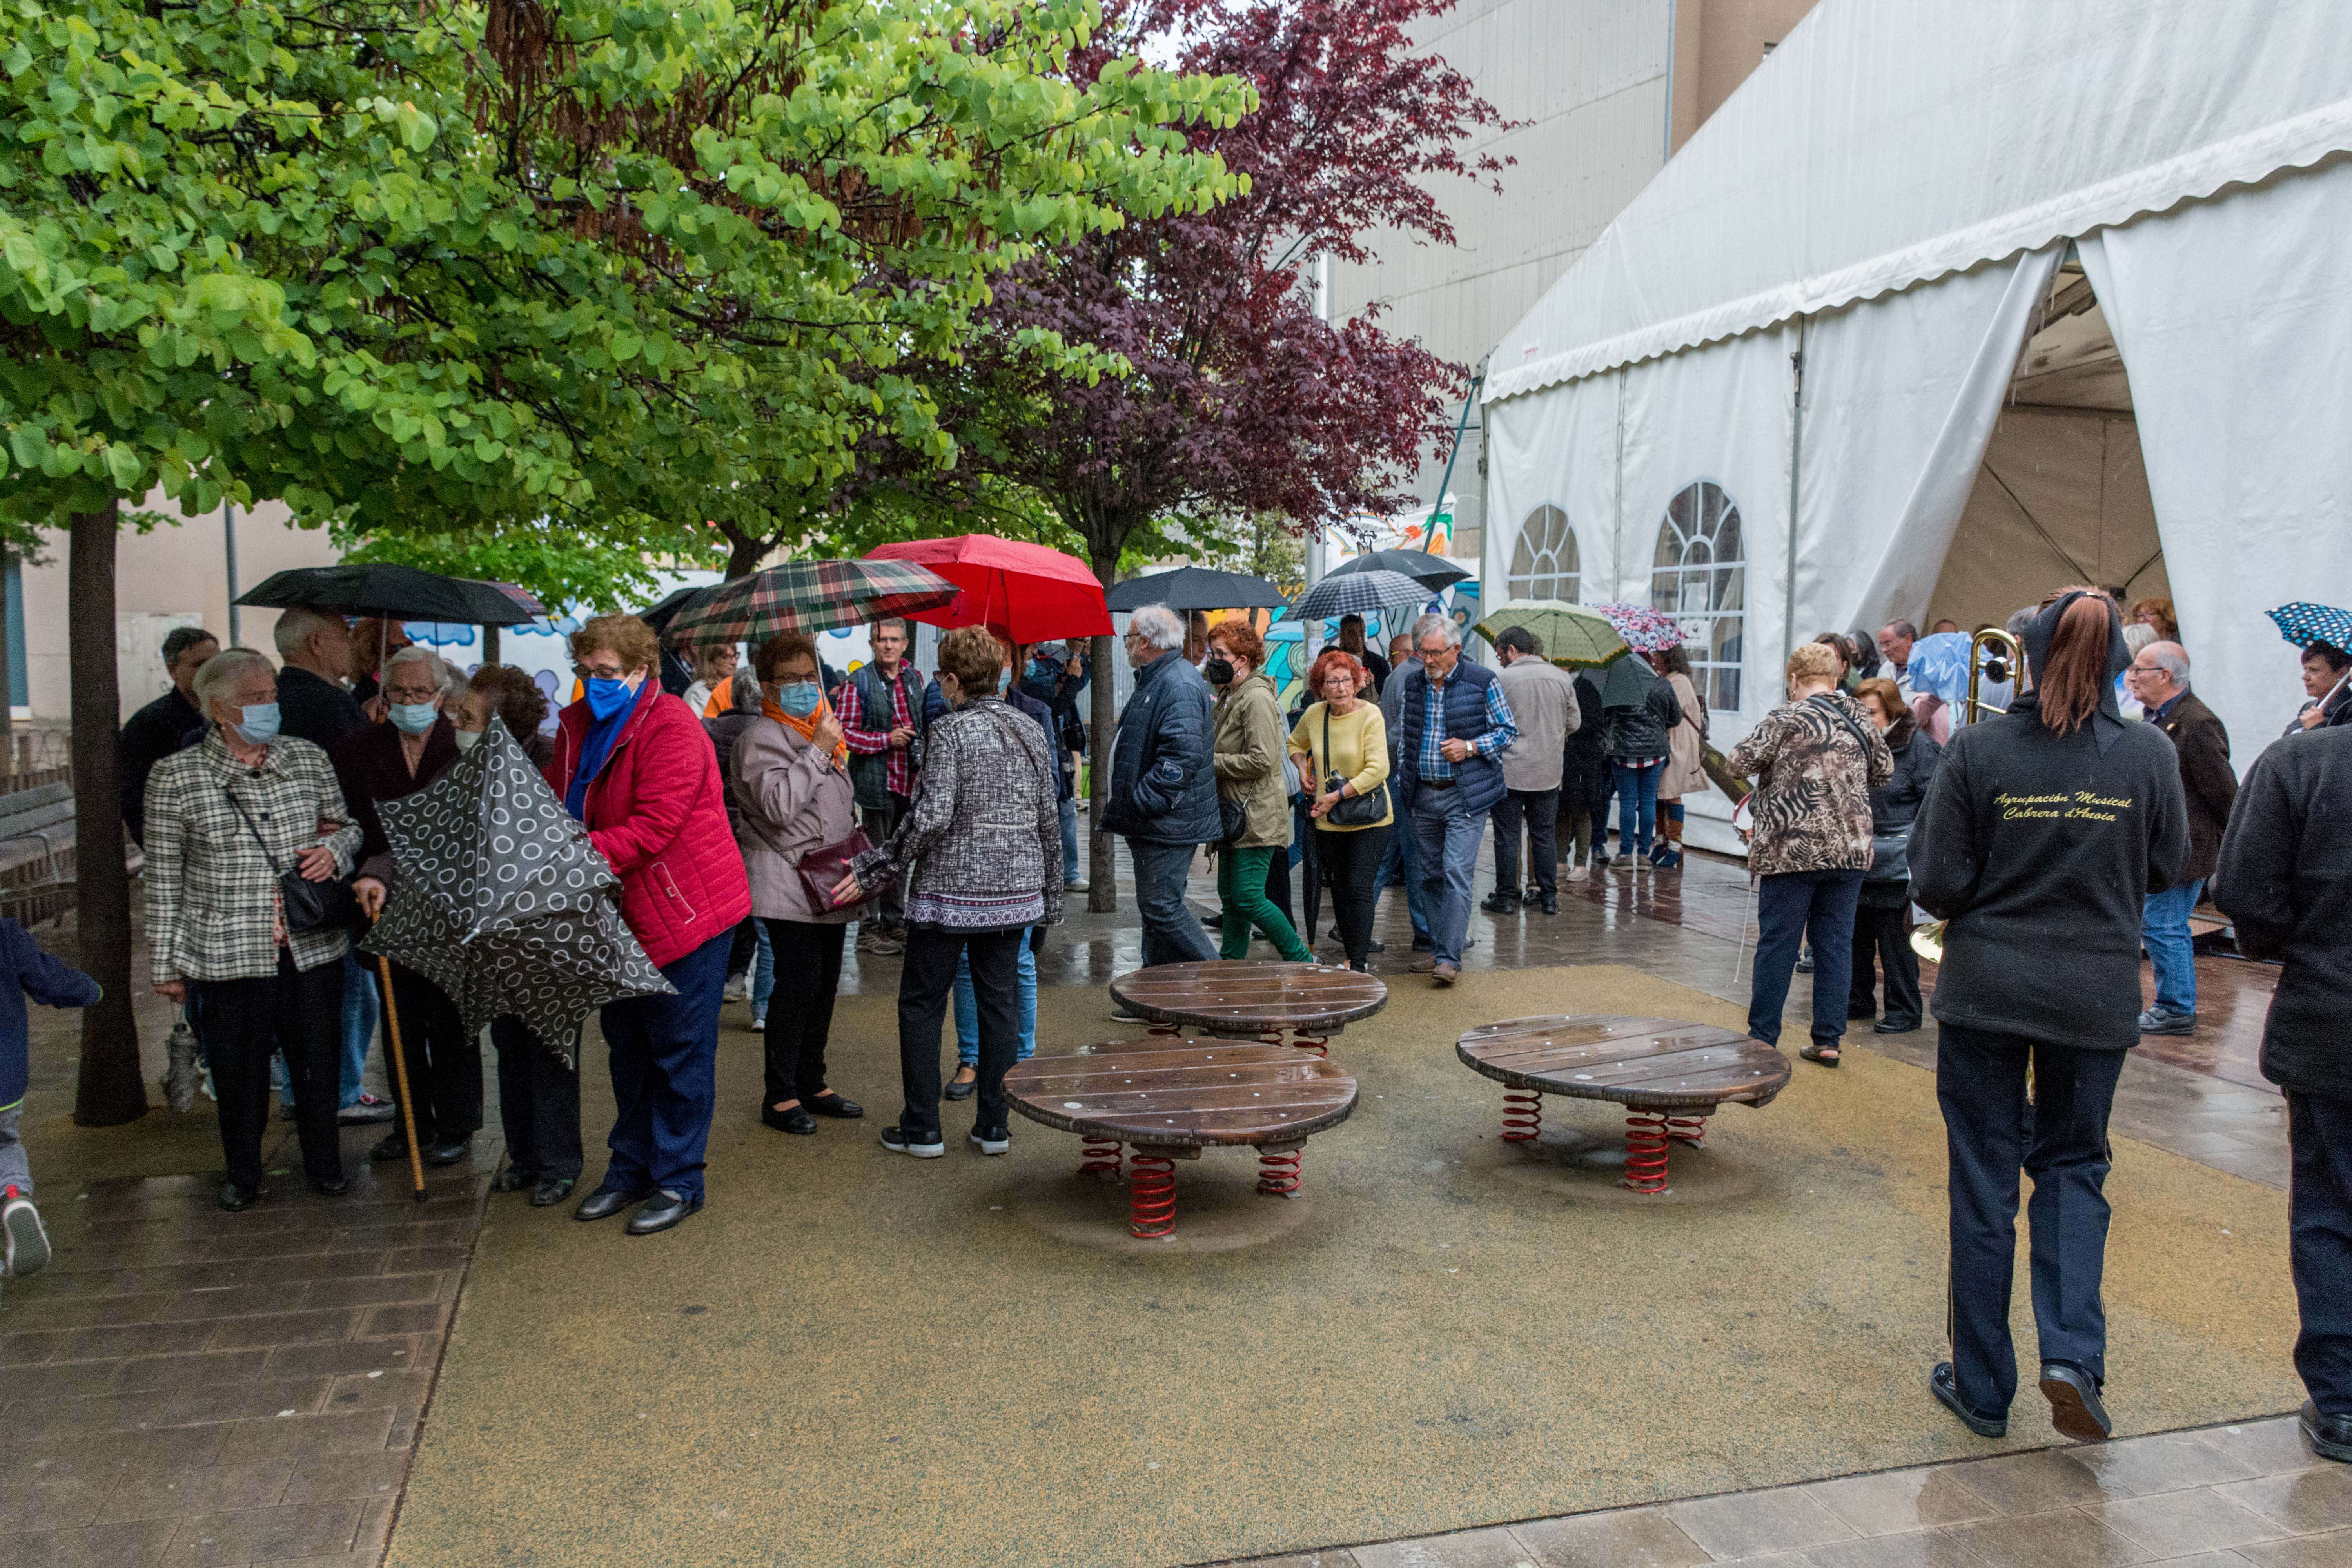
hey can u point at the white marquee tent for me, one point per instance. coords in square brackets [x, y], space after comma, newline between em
[1950, 305]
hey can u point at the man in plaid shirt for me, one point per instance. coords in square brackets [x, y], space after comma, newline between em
[880, 706]
[1456, 725]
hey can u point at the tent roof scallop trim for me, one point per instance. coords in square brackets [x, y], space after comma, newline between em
[1887, 143]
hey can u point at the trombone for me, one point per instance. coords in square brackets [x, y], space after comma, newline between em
[1995, 656]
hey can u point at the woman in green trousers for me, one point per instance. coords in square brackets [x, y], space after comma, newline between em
[1248, 747]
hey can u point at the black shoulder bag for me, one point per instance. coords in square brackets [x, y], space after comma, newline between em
[309, 906]
[1349, 810]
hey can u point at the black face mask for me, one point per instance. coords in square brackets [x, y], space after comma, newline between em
[1219, 671]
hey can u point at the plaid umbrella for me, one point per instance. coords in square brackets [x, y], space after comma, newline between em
[1645, 630]
[2303, 625]
[1571, 636]
[806, 596]
[503, 903]
[1359, 594]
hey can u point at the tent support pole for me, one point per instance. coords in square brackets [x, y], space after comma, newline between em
[1796, 454]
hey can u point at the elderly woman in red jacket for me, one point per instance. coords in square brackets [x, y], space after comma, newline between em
[633, 765]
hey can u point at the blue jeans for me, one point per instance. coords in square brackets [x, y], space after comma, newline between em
[1070, 871]
[2164, 927]
[664, 1059]
[967, 1008]
[1637, 805]
[1789, 905]
[763, 969]
[1400, 864]
[1448, 848]
[358, 1022]
[1171, 933]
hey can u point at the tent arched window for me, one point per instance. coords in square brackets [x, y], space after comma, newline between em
[1544, 565]
[1699, 577]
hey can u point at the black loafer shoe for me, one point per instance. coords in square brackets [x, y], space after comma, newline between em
[2330, 1436]
[796, 1120]
[330, 1189]
[1499, 903]
[604, 1204]
[954, 1091]
[1895, 1026]
[449, 1152]
[394, 1146]
[1947, 1395]
[663, 1210]
[512, 1179]
[1549, 906]
[551, 1191]
[833, 1105]
[2074, 1407]
[233, 1198]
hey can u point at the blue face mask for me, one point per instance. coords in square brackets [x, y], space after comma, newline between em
[260, 726]
[607, 696]
[413, 718]
[799, 698]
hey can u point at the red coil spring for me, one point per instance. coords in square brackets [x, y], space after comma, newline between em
[1645, 1152]
[1690, 1129]
[1151, 1196]
[1098, 1155]
[1319, 1044]
[1277, 1175]
[1522, 1115]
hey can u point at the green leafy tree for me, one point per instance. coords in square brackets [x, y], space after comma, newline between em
[437, 269]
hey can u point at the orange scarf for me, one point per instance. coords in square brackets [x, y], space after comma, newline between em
[806, 728]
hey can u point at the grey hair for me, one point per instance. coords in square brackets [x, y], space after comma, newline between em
[2173, 659]
[1902, 628]
[295, 627]
[445, 679]
[1434, 622]
[744, 693]
[1158, 625]
[224, 671]
[2138, 636]
[2017, 624]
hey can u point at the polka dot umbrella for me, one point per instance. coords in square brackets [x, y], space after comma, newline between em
[503, 903]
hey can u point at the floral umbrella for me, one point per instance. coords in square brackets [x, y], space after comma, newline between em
[1645, 630]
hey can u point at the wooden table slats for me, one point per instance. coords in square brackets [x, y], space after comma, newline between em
[1661, 1064]
[1204, 1093]
[1250, 993]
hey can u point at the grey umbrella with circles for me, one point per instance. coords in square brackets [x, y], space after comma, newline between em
[503, 903]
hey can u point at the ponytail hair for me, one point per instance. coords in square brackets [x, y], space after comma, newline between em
[2072, 678]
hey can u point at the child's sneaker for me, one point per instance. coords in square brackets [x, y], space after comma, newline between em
[28, 1244]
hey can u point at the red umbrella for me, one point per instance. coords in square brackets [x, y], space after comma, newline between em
[1024, 593]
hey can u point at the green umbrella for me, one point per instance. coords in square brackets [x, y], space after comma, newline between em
[1571, 635]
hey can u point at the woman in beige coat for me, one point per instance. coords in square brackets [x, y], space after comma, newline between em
[1246, 752]
[1686, 749]
[788, 780]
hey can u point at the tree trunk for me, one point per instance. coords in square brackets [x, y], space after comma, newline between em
[110, 1090]
[7, 684]
[744, 554]
[1102, 729]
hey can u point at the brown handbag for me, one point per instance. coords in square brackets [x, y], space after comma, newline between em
[822, 869]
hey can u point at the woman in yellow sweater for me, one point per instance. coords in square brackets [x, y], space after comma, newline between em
[1342, 744]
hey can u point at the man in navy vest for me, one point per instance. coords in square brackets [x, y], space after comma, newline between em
[1455, 725]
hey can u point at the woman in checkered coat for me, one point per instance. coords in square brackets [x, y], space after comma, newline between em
[224, 817]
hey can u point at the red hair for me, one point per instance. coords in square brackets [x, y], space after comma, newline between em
[1335, 658]
[2073, 676]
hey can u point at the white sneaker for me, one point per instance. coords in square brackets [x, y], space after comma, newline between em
[1576, 872]
[739, 988]
[26, 1243]
[1076, 885]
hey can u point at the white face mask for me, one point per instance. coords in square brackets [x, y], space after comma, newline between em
[466, 739]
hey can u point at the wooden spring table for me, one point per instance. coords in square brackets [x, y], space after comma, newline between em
[1669, 1075]
[1251, 1000]
[1172, 1098]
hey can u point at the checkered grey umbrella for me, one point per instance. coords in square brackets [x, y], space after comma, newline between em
[503, 903]
[1359, 594]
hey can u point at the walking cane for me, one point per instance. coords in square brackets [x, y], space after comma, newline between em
[400, 1075]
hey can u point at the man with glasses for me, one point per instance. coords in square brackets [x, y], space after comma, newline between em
[2159, 678]
[1163, 783]
[882, 715]
[1456, 724]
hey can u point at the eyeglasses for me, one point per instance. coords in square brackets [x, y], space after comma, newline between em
[410, 693]
[609, 672]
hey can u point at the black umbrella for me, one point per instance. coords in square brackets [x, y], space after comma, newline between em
[1627, 683]
[394, 593]
[661, 616]
[1197, 588]
[503, 903]
[1432, 572]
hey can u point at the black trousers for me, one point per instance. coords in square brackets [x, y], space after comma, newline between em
[445, 1063]
[879, 823]
[1277, 889]
[539, 1103]
[2060, 1138]
[1540, 809]
[925, 982]
[742, 950]
[2319, 1245]
[799, 1009]
[1887, 932]
[242, 1022]
[1598, 790]
[1351, 860]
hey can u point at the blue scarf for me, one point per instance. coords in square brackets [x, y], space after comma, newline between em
[595, 751]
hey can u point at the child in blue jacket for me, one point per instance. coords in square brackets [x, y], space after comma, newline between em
[26, 970]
